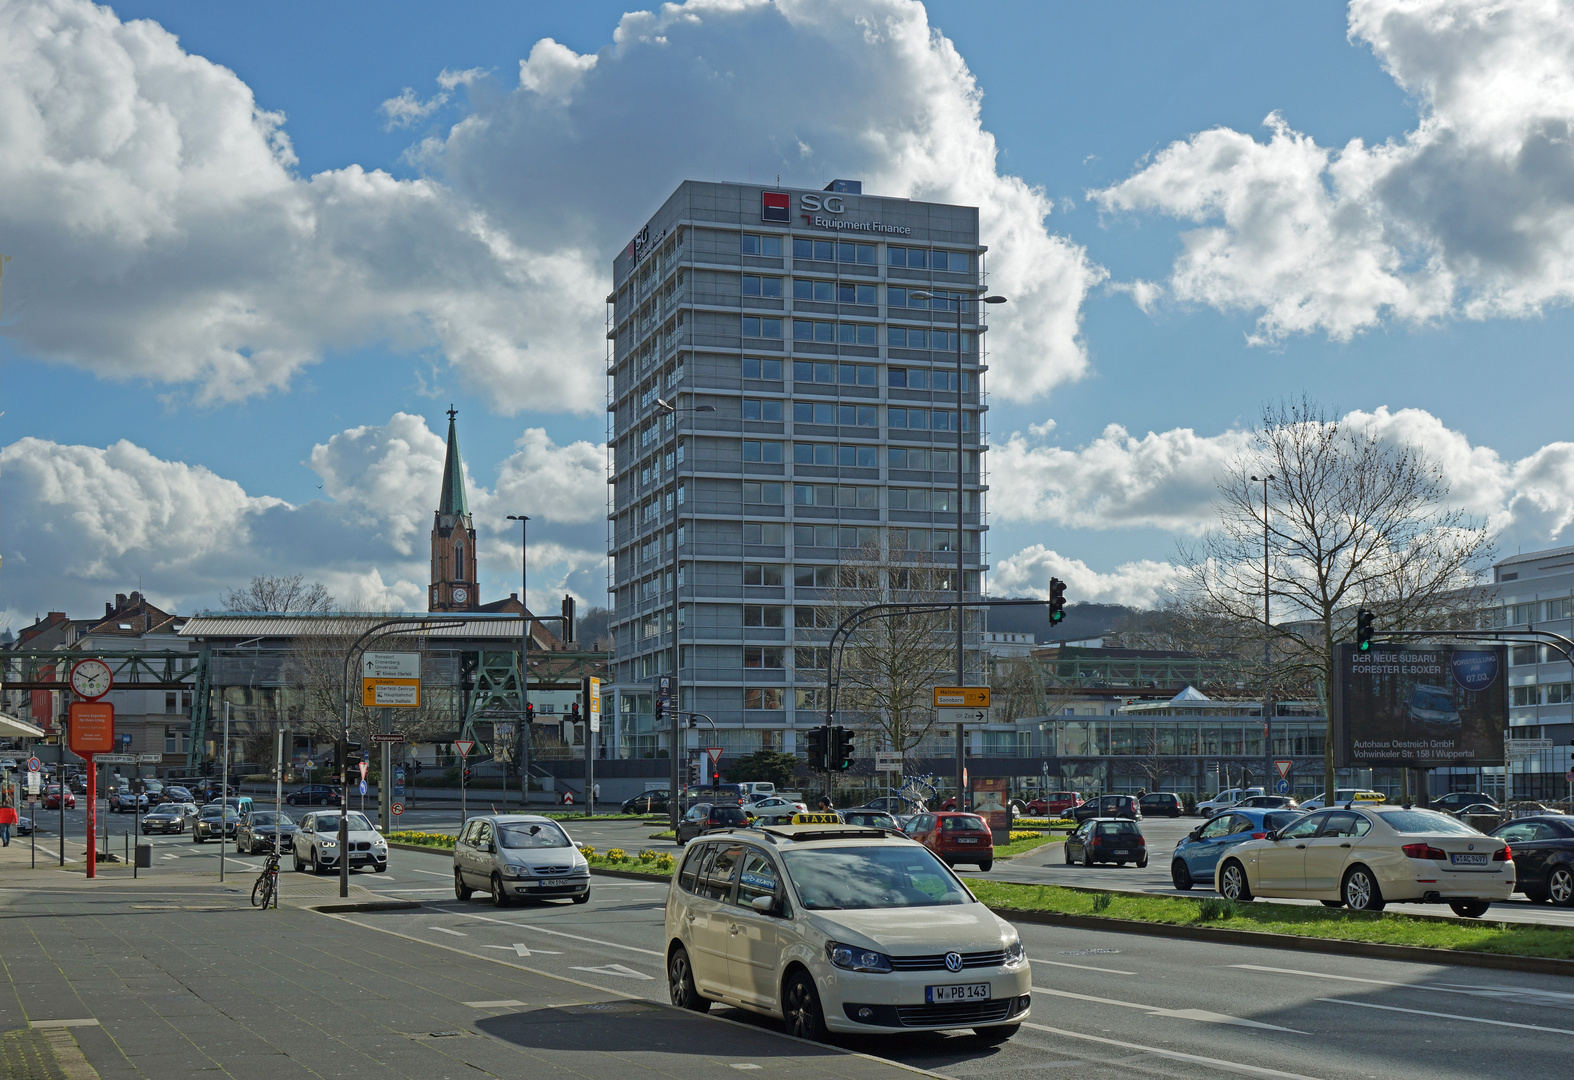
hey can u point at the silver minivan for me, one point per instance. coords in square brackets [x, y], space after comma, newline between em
[518, 856]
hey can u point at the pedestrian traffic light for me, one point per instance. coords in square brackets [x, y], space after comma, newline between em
[1363, 630]
[841, 749]
[1057, 600]
[818, 738]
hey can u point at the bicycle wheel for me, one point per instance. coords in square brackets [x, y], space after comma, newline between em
[262, 891]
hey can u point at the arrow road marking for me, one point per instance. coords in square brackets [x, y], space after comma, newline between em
[523, 950]
[615, 969]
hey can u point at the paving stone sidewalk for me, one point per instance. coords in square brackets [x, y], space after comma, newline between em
[174, 976]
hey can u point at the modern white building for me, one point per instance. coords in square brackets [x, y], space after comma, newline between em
[778, 399]
[1536, 591]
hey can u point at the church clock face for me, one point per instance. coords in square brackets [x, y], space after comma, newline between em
[461, 595]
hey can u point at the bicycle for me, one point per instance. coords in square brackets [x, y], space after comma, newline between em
[267, 886]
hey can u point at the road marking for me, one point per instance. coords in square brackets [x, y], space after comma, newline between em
[524, 950]
[445, 930]
[62, 1023]
[616, 969]
[510, 1003]
[1449, 1016]
[560, 933]
[1202, 1015]
[433, 873]
[1467, 989]
[1174, 1055]
[1084, 967]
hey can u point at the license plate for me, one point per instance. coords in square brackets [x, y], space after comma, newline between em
[966, 840]
[556, 883]
[1468, 859]
[938, 995]
[1123, 851]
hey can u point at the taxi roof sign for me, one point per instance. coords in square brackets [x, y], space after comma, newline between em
[968, 697]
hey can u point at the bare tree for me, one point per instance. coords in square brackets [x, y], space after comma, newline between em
[1155, 766]
[270, 593]
[1352, 521]
[1018, 688]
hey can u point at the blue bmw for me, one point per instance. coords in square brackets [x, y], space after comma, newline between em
[1198, 854]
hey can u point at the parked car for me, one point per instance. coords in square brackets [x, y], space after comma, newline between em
[214, 822]
[1107, 806]
[871, 818]
[1227, 799]
[1456, 801]
[317, 843]
[703, 817]
[1268, 802]
[52, 798]
[1485, 817]
[1359, 796]
[168, 817]
[774, 804]
[1198, 854]
[1055, 803]
[1367, 857]
[24, 826]
[519, 857]
[1156, 803]
[264, 830]
[896, 805]
[313, 795]
[1543, 857]
[955, 838]
[653, 801]
[1098, 840]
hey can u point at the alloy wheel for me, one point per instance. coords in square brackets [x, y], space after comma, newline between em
[1560, 886]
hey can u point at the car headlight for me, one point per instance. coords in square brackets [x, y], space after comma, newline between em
[519, 871]
[1016, 954]
[329, 843]
[852, 958]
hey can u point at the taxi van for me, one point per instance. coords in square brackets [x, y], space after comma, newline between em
[836, 927]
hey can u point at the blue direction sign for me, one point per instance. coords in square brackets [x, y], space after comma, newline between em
[363, 787]
[1282, 787]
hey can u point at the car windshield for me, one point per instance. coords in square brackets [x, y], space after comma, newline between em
[1118, 828]
[166, 808]
[1275, 822]
[534, 834]
[271, 819]
[357, 823]
[831, 879]
[963, 824]
[1425, 821]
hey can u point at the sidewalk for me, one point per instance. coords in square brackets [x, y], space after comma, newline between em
[174, 975]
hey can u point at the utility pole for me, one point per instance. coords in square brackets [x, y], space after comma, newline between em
[1267, 645]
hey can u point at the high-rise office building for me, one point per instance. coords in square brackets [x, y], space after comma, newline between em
[780, 402]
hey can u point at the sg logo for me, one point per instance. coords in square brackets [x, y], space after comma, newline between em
[831, 204]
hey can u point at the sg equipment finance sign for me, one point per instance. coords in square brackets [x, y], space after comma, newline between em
[1421, 706]
[822, 212]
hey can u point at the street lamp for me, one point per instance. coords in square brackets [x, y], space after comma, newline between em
[523, 741]
[1267, 643]
[961, 662]
[677, 698]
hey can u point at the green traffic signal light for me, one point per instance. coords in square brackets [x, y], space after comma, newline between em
[1363, 630]
[1057, 600]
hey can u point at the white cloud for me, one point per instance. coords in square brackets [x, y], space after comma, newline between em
[1027, 573]
[1469, 215]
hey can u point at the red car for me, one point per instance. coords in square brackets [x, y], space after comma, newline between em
[955, 838]
[52, 798]
[1055, 803]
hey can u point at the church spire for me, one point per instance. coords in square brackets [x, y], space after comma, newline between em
[452, 502]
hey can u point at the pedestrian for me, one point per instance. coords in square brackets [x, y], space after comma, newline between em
[595, 793]
[7, 819]
[824, 805]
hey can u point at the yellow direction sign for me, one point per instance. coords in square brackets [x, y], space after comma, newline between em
[391, 693]
[965, 697]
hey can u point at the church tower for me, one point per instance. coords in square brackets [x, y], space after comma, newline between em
[454, 570]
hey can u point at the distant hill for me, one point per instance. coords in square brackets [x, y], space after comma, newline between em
[1081, 621]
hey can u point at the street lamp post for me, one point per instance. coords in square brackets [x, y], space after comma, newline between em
[961, 659]
[1267, 642]
[523, 742]
[675, 704]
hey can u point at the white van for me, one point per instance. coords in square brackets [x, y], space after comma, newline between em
[1226, 799]
[754, 790]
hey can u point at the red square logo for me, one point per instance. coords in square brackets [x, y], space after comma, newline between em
[775, 206]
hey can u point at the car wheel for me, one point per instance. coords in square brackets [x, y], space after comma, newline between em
[801, 1008]
[1536, 896]
[1232, 882]
[1560, 886]
[318, 866]
[998, 1033]
[583, 898]
[461, 890]
[985, 865]
[1069, 859]
[680, 983]
[1470, 909]
[1087, 857]
[1360, 890]
[499, 894]
[1180, 875]
[1206, 812]
[1142, 863]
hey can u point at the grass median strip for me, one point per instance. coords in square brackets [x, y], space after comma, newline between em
[1022, 843]
[1516, 939]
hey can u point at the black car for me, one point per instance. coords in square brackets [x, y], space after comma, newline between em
[1455, 801]
[1543, 850]
[703, 817]
[168, 817]
[176, 793]
[261, 830]
[1107, 806]
[1116, 840]
[313, 795]
[648, 802]
[217, 821]
[1161, 802]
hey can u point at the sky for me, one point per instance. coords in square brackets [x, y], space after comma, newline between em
[258, 251]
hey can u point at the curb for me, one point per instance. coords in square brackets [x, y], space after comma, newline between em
[368, 905]
[1414, 953]
[633, 875]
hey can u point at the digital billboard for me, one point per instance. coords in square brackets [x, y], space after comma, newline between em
[1421, 706]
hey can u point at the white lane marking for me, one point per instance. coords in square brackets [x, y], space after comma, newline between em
[62, 1023]
[522, 949]
[169, 856]
[1449, 1016]
[432, 873]
[445, 930]
[1174, 1055]
[1467, 989]
[1083, 967]
[560, 933]
[509, 1003]
[1202, 1015]
[616, 969]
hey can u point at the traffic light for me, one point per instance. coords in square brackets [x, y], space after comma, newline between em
[1057, 600]
[1363, 630]
[818, 739]
[694, 772]
[715, 774]
[573, 712]
[841, 749]
[530, 712]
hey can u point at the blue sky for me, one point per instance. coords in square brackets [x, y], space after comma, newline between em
[278, 441]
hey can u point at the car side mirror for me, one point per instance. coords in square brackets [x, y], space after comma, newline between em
[1195, 834]
[765, 905]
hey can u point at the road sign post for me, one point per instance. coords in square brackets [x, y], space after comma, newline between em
[391, 680]
[961, 706]
[91, 731]
[462, 747]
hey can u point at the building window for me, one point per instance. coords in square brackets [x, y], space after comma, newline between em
[953, 262]
[905, 338]
[1523, 613]
[822, 291]
[813, 618]
[757, 492]
[756, 327]
[1520, 655]
[805, 453]
[809, 330]
[762, 697]
[807, 371]
[814, 577]
[813, 412]
[762, 532]
[754, 285]
[758, 244]
[823, 536]
[858, 457]
[755, 367]
[810, 699]
[763, 574]
[171, 701]
[176, 740]
[762, 615]
[908, 419]
[459, 562]
[858, 416]
[759, 656]
[768, 409]
[1560, 609]
[768, 452]
[1524, 696]
[1556, 693]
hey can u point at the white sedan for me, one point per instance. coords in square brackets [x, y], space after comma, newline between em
[774, 805]
[1368, 856]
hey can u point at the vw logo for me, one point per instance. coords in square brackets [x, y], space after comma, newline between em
[953, 961]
